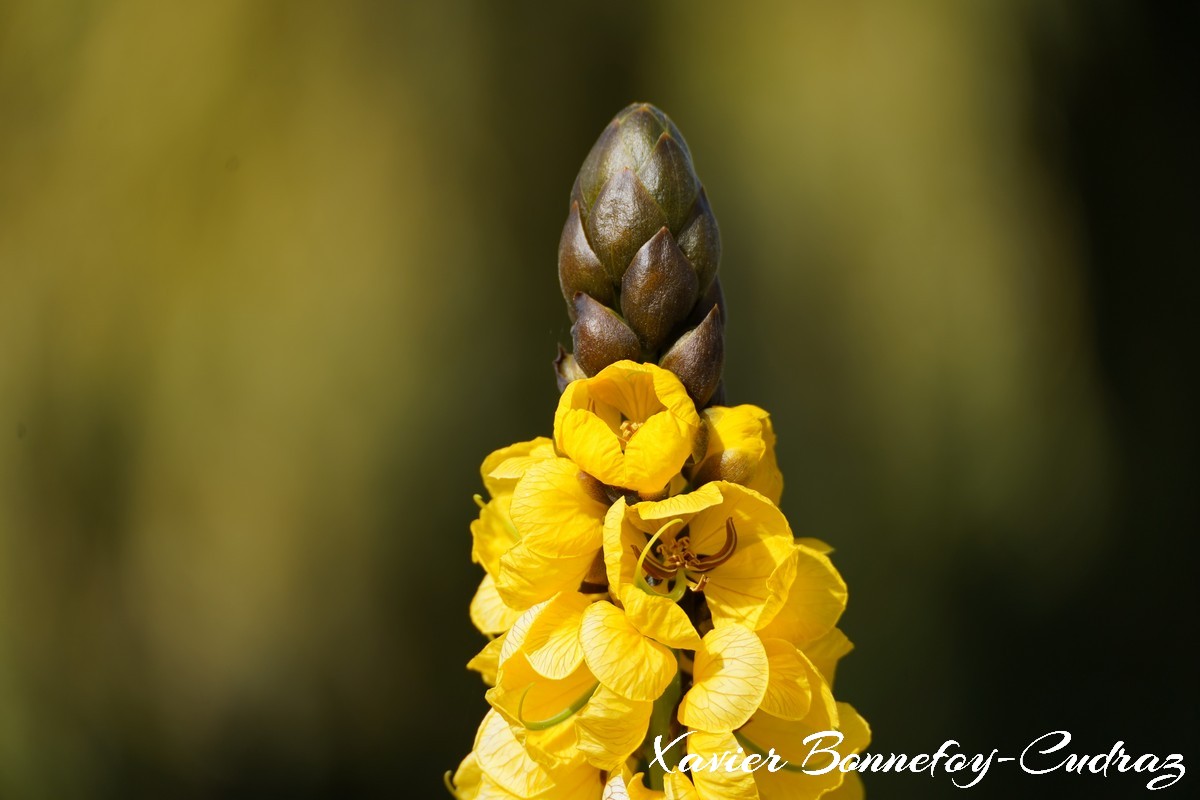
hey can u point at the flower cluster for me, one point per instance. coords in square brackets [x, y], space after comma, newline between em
[642, 585]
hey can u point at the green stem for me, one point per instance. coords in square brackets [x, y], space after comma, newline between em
[661, 718]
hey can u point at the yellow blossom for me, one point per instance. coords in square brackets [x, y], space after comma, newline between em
[500, 769]
[730, 677]
[632, 426]
[723, 540]
[541, 533]
[740, 448]
[546, 689]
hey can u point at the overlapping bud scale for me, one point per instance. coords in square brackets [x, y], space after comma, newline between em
[638, 256]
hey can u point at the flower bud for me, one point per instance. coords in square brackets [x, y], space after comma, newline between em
[658, 290]
[600, 336]
[642, 247]
[698, 357]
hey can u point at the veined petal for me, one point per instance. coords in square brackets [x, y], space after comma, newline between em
[825, 652]
[497, 484]
[502, 759]
[465, 784]
[787, 739]
[678, 787]
[611, 727]
[554, 513]
[531, 702]
[526, 577]
[487, 661]
[789, 693]
[720, 783]
[594, 446]
[635, 786]
[552, 642]
[815, 601]
[730, 678]
[657, 451]
[515, 637]
[493, 533]
[621, 658]
[682, 506]
[752, 585]
[488, 612]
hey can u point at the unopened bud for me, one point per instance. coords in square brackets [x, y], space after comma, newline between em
[698, 357]
[658, 291]
[600, 336]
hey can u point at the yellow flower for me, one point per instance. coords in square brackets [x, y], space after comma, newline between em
[493, 532]
[815, 601]
[787, 738]
[723, 540]
[558, 514]
[740, 448]
[730, 677]
[500, 769]
[632, 426]
[564, 682]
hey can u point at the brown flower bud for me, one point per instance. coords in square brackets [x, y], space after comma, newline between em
[698, 357]
[600, 336]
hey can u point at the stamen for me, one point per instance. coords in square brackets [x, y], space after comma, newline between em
[639, 578]
[479, 502]
[550, 722]
[708, 563]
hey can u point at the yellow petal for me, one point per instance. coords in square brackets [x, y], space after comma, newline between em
[789, 693]
[526, 577]
[492, 534]
[488, 612]
[554, 513]
[621, 658]
[611, 727]
[683, 506]
[487, 660]
[678, 787]
[720, 783]
[515, 637]
[787, 739]
[815, 601]
[730, 678]
[659, 618]
[752, 586]
[502, 759]
[851, 789]
[615, 789]
[825, 652]
[552, 642]
[656, 452]
[496, 485]
[531, 703]
[465, 785]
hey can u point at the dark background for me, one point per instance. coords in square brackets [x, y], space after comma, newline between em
[275, 277]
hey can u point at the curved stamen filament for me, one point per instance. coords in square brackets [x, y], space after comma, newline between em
[550, 722]
[679, 557]
[656, 568]
[706, 563]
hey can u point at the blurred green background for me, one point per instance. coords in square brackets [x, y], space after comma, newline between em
[275, 276]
